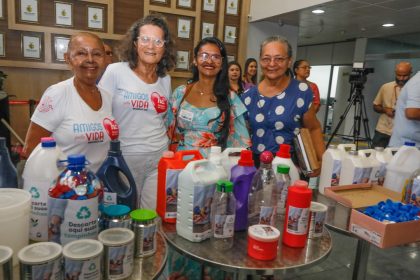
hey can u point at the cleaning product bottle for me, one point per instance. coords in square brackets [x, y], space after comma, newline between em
[331, 168]
[8, 174]
[370, 154]
[118, 182]
[231, 157]
[73, 203]
[223, 216]
[281, 190]
[261, 205]
[355, 169]
[411, 189]
[241, 177]
[383, 158]
[283, 156]
[402, 165]
[215, 156]
[169, 167]
[39, 175]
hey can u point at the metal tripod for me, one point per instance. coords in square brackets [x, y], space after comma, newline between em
[360, 116]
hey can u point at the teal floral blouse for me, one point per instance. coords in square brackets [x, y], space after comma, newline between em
[194, 130]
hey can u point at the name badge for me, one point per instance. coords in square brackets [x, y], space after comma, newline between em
[186, 115]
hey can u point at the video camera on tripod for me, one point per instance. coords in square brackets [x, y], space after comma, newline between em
[358, 75]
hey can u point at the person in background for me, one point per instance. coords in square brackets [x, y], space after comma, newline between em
[109, 58]
[141, 89]
[302, 70]
[250, 73]
[385, 103]
[76, 112]
[407, 114]
[280, 105]
[235, 74]
[205, 112]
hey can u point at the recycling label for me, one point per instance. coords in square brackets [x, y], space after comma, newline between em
[39, 211]
[70, 220]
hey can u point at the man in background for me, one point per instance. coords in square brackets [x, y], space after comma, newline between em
[385, 103]
[109, 55]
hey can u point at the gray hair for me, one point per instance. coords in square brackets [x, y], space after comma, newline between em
[279, 39]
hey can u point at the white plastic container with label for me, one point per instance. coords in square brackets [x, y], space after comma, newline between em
[402, 165]
[196, 185]
[283, 157]
[370, 154]
[384, 158]
[230, 158]
[346, 147]
[216, 157]
[331, 168]
[355, 169]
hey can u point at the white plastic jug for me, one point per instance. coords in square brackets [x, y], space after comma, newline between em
[230, 157]
[346, 147]
[283, 157]
[370, 154]
[196, 185]
[331, 168]
[384, 158]
[355, 169]
[216, 157]
[399, 169]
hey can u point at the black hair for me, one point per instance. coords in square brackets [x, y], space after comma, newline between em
[296, 65]
[221, 88]
[240, 85]
[247, 63]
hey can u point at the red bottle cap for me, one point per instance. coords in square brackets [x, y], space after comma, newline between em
[266, 157]
[300, 183]
[246, 158]
[284, 151]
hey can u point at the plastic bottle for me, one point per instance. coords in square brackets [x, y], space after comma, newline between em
[283, 157]
[73, 203]
[39, 175]
[215, 156]
[331, 168]
[223, 216]
[169, 167]
[261, 205]
[411, 189]
[242, 175]
[230, 159]
[345, 148]
[402, 165]
[355, 169]
[370, 154]
[196, 185]
[283, 183]
[384, 158]
[118, 182]
[8, 174]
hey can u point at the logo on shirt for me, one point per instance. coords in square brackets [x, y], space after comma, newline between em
[90, 132]
[137, 101]
[160, 102]
[45, 105]
[111, 127]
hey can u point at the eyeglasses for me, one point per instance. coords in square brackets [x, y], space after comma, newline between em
[217, 58]
[109, 53]
[305, 67]
[145, 40]
[276, 59]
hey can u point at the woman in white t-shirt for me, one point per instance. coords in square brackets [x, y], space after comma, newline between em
[140, 91]
[76, 112]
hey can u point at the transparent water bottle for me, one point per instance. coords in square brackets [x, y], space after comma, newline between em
[280, 192]
[8, 174]
[261, 204]
[223, 210]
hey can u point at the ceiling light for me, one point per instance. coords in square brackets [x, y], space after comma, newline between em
[318, 11]
[388, 25]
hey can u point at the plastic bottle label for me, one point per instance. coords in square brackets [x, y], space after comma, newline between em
[281, 204]
[171, 192]
[335, 176]
[297, 220]
[39, 271]
[361, 175]
[224, 226]
[70, 220]
[120, 261]
[203, 196]
[38, 230]
[110, 198]
[89, 269]
[145, 240]
[266, 215]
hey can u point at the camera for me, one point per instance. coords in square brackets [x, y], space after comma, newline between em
[358, 75]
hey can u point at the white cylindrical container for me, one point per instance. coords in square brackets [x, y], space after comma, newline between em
[370, 154]
[355, 169]
[15, 207]
[83, 259]
[331, 168]
[318, 215]
[118, 252]
[230, 158]
[144, 225]
[6, 263]
[41, 260]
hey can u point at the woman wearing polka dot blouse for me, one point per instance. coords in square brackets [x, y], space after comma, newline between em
[280, 105]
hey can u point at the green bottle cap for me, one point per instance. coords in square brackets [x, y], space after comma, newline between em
[224, 186]
[142, 215]
[283, 169]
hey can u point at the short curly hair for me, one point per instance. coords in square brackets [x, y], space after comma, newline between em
[128, 51]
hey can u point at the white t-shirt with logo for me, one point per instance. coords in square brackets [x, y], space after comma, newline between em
[76, 127]
[139, 108]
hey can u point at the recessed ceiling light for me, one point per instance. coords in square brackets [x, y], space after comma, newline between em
[388, 25]
[318, 11]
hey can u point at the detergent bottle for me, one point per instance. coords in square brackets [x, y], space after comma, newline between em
[370, 154]
[283, 157]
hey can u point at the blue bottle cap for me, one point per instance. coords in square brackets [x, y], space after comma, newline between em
[48, 142]
[408, 143]
[116, 210]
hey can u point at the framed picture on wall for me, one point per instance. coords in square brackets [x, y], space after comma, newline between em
[63, 14]
[29, 10]
[2, 45]
[95, 18]
[209, 5]
[159, 1]
[208, 30]
[184, 28]
[232, 7]
[182, 60]
[230, 58]
[184, 3]
[60, 47]
[1, 9]
[230, 34]
[31, 46]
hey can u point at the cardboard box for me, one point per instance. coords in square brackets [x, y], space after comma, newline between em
[381, 234]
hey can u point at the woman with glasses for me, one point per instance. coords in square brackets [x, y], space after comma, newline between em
[250, 73]
[302, 70]
[206, 112]
[280, 105]
[234, 74]
[141, 89]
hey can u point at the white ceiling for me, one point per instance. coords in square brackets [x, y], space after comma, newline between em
[349, 19]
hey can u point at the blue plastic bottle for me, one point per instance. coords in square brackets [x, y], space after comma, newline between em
[119, 184]
[8, 174]
[241, 177]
